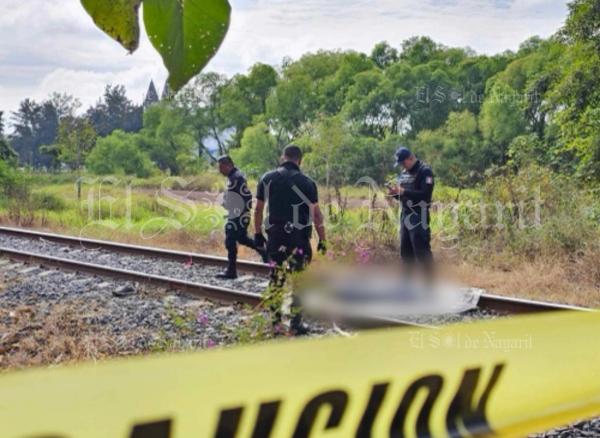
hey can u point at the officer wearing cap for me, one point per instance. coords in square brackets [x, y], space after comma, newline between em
[238, 203]
[414, 189]
[293, 208]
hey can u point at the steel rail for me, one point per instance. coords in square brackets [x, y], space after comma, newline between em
[182, 256]
[216, 293]
[517, 306]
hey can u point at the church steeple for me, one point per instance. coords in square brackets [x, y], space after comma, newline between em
[167, 93]
[151, 95]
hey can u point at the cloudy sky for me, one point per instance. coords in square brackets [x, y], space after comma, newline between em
[52, 45]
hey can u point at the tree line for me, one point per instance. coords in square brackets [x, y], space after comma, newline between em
[464, 113]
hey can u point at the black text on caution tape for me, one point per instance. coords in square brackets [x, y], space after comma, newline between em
[465, 415]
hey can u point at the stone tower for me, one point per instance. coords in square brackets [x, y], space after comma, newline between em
[151, 95]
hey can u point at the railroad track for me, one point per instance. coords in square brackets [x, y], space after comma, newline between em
[180, 256]
[213, 292]
[488, 302]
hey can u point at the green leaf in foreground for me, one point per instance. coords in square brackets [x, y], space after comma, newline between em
[186, 33]
[118, 18]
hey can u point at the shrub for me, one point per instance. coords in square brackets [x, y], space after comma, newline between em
[14, 184]
[119, 153]
[47, 201]
[259, 151]
[15, 188]
[534, 212]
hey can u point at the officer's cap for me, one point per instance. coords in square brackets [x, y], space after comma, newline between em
[402, 154]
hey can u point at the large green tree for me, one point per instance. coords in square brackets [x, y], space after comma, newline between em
[201, 101]
[169, 139]
[258, 152]
[576, 95]
[120, 154]
[34, 125]
[583, 23]
[115, 111]
[456, 150]
[501, 120]
[384, 55]
[76, 139]
[244, 97]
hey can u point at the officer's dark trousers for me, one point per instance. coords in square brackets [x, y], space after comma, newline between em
[415, 241]
[294, 247]
[236, 231]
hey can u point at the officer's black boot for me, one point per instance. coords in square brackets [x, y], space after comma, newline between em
[228, 274]
[231, 271]
[297, 327]
[231, 246]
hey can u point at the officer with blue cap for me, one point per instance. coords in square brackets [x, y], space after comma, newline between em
[414, 190]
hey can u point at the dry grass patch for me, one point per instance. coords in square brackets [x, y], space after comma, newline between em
[547, 280]
[31, 337]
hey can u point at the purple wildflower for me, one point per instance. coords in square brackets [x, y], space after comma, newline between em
[210, 343]
[202, 319]
[364, 256]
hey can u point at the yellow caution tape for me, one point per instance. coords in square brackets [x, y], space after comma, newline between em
[505, 377]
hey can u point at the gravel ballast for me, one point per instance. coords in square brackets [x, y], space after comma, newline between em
[183, 271]
[37, 303]
[582, 429]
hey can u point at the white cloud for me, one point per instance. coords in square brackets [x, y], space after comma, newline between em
[52, 45]
[273, 28]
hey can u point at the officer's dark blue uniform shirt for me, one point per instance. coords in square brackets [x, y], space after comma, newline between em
[238, 198]
[418, 187]
[289, 193]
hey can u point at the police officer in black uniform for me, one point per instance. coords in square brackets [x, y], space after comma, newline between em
[238, 203]
[293, 208]
[414, 190]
